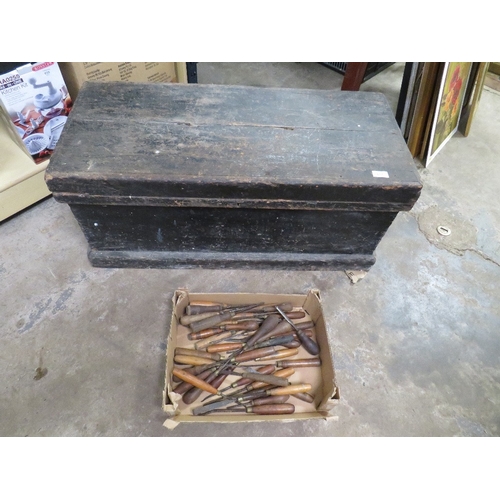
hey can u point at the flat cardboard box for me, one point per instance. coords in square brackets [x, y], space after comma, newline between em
[322, 378]
[75, 73]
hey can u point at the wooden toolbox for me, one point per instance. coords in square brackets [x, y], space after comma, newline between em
[175, 175]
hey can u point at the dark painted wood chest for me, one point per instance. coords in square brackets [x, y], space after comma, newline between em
[173, 175]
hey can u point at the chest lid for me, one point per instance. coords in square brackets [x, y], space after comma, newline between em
[176, 143]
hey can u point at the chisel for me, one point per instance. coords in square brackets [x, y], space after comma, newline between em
[182, 351]
[203, 344]
[192, 360]
[287, 372]
[279, 354]
[218, 318]
[309, 345]
[284, 328]
[276, 391]
[257, 385]
[194, 381]
[185, 386]
[215, 380]
[201, 307]
[299, 363]
[304, 396]
[267, 369]
[270, 409]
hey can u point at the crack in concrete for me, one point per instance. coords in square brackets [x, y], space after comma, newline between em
[483, 255]
[454, 250]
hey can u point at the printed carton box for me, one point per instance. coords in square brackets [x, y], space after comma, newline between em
[37, 101]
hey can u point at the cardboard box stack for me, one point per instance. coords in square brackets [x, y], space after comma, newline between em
[75, 73]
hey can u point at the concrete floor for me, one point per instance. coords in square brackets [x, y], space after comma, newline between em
[416, 343]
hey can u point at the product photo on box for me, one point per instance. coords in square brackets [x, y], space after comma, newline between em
[36, 98]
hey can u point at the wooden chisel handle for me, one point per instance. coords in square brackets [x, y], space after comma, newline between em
[254, 354]
[195, 392]
[304, 396]
[287, 372]
[309, 344]
[285, 327]
[195, 381]
[267, 379]
[202, 344]
[268, 369]
[279, 354]
[192, 309]
[204, 333]
[298, 363]
[225, 347]
[213, 321]
[205, 303]
[269, 400]
[291, 389]
[195, 370]
[277, 409]
[285, 306]
[199, 354]
[187, 320]
[267, 325]
[294, 344]
[185, 386]
[240, 325]
[192, 360]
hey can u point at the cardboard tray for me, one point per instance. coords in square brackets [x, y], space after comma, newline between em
[322, 379]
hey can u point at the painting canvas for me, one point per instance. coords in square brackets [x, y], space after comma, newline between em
[449, 106]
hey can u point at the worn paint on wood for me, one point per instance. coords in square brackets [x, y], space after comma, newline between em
[203, 170]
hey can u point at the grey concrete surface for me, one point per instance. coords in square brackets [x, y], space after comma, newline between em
[416, 342]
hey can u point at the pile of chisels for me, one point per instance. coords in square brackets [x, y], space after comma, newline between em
[240, 358]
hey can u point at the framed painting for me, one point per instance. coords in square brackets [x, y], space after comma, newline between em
[450, 99]
[422, 106]
[476, 85]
